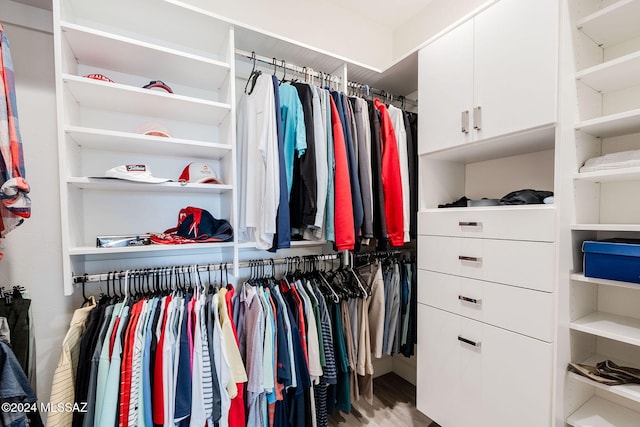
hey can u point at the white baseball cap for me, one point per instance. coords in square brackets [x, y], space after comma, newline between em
[137, 173]
[198, 172]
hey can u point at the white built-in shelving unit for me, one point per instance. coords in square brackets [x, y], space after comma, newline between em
[604, 322]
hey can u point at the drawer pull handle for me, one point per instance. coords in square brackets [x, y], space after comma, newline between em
[471, 300]
[465, 122]
[469, 258]
[469, 224]
[466, 341]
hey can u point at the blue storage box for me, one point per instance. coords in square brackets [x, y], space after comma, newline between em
[614, 259]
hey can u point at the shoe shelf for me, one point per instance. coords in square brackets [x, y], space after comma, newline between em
[628, 391]
[619, 328]
[171, 65]
[120, 185]
[133, 100]
[611, 125]
[612, 175]
[579, 277]
[613, 24]
[613, 75]
[101, 139]
[599, 412]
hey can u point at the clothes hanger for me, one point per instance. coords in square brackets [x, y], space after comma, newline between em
[253, 76]
[284, 71]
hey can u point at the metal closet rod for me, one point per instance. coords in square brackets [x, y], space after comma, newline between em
[383, 93]
[102, 277]
[281, 63]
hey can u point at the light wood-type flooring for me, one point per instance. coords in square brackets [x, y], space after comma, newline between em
[394, 405]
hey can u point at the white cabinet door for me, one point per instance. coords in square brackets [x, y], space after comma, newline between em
[515, 66]
[445, 85]
[473, 374]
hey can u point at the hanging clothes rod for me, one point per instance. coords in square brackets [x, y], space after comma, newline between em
[281, 63]
[103, 277]
[367, 90]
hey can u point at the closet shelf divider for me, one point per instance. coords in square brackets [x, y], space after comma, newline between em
[619, 328]
[100, 184]
[617, 74]
[580, 277]
[613, 175]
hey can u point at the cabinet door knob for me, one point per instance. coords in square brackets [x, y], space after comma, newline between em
[475, 344]
[465, 121]
[471, 300]
[469, 224]
[469, 258]
[477, 118]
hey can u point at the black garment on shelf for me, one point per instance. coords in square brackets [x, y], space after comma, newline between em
[16, 310]
[525, 197]
[304, 191]
[460, 203]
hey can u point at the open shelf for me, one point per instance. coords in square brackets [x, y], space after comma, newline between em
[127, 99]
[599, 412]
[92, 250]
[613, 24]
[605, 227]
[617, 74]
[100, 139]
[174, 67]
[612, 326]
[580, 277]
[617, 124]
[531, 141]
[612, 175]
[628, 391]
[101, 184]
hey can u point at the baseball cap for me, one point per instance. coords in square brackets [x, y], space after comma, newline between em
[195, 225]
[101, 77]
[199, 173]
[133, 172]
[154, 129]
[157, 84]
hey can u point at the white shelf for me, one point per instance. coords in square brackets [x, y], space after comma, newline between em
[127, 99]
[92, 250]
[579, 277]
[612, 326]
[620, 73]
[618, 124]
[500, 208]
[628, 391]
[100, 139]
[605, 227]
[123, 185]
[531, 141]
[613, 24]
[599, 412]
[623, 174]
[151, 61]
[294, 244]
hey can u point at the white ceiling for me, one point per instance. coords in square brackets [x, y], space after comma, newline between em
[390, 13]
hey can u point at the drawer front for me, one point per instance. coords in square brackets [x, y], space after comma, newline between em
[524, 264]
[501, 223]
[520, 310]
[473, 374]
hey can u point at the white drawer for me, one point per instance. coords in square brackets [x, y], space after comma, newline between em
[520, 310]
[518, 263]
[504, 222]
[504, 380]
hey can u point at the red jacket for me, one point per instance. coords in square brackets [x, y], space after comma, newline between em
[391, 181]
[344, 224]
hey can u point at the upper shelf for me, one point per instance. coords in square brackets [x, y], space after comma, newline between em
[618, 124]
[122, 98]
[613, 175]
[613, 24]
[138, 19]
[531, 141]
[173, 66]
[580, 277]
[100, 139]
[620, 73]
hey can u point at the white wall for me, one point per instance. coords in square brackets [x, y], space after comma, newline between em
[326, 26]
[32, 252]
[438, 15]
